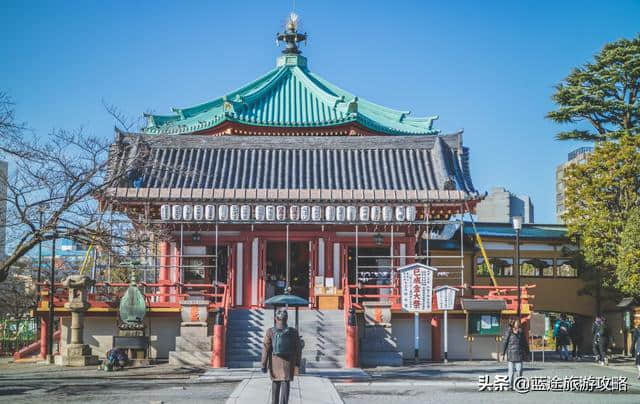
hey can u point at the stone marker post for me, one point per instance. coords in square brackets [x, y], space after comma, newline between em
[77, 352]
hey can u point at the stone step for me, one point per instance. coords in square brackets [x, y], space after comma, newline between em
[193, 344]
[194, 358]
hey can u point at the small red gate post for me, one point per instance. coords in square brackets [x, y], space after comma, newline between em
[43, 336]
[218, 353]
[435, 338]
[351, 348]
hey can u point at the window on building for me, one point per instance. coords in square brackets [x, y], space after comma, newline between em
[501, 266]
[567, 268]
[541, 267]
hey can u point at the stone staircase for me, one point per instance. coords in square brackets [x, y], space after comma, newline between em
[323, 333]
[193, 347]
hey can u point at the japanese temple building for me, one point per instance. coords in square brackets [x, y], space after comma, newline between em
[292, 181]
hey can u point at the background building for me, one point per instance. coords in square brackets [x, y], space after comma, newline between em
[500, 206]
[576, 156]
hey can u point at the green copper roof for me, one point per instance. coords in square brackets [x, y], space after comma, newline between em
[290, 96]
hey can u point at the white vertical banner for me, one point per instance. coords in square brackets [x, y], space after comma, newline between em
[320, 257]
[416, 287]
[336, 265]
[239, 266]
[403, 254]
[174, 270]
[254, 271]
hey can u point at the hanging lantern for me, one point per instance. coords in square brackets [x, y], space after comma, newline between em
[378, 238]
[364, 213]
[294, 212]
[198, 212]
[411, 213]
[376, 213]
[209, 212]
[245, 212]
[281, 213]
[387, 213]
[176, 212]
[316, 213]
[352, 213]
[165, 212]
[341, 213]
[260, 213]
[305, 213]
[234, 212]
[223, 213]
[271, 213]
[400, 213]
[187, 212]
[330, 213]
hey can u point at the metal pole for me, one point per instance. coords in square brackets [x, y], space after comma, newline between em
[287, 260]
[357, 269]
[39, 258]
[446, 339]
[51, 292]
[461, 248]
[180, 261]
[217, 261]
[416, 335]
[518, 269]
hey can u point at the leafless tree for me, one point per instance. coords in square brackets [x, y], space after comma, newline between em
[63, 178]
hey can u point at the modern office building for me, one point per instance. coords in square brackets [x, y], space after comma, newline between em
[576, 156]
[500, 206]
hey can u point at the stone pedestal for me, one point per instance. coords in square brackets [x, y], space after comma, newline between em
[194, 345]
[77, 353]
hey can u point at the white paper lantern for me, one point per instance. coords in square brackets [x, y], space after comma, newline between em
[210, 212]
[165, 212]
[198, 212]
[260, 213]
[187, 212]
[400, 213]
[294, 212]
[351, 213]
[234, 212]
[387, 213]
[411, 213]
[364, 213]
[245, 212]
[305, 213]
[223, 213]
[341, 213]
[271, 213]
[176, 212]
[376, 213]
[330, 213]
[281, 213]
[316, 213]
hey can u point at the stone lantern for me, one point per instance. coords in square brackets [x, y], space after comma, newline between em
[77, 352]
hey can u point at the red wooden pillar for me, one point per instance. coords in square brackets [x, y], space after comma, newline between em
[218, 354]
[164, 271]
[44, 326]
[436, 352]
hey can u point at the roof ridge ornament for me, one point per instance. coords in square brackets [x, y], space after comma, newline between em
[291, 36]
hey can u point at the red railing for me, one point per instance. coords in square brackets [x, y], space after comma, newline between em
[507, 293]
[107, 294]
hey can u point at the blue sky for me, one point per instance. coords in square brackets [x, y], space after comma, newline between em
[487, 67]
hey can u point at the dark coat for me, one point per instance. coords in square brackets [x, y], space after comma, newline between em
[635, 346]
[600, 333]
[515, 346]
[280, 369]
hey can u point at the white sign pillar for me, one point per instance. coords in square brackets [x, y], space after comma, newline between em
[416, 287]
[446, 296]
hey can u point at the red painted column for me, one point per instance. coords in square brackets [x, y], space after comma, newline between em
[218, 354]
[165, 264]
[351, 347]
[44, 322]
[436, 352]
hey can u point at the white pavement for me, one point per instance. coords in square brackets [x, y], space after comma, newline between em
[304, 389]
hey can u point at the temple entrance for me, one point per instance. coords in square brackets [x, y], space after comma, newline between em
[373, 269]
[276, 272]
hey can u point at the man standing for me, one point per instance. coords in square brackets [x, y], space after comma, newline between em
[600, 332]
[281, 355]
[561, 334]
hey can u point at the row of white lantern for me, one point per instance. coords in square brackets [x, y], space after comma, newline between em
[302, 213]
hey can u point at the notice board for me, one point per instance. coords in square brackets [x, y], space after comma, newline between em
[484, 324]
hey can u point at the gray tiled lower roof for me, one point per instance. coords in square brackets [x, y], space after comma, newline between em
[292, 164]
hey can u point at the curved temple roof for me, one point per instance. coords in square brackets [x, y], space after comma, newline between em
[290, 96]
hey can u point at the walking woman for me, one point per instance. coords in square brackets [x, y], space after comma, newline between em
[516, 349]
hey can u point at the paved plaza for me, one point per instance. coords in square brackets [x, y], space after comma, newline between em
[422, 383]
